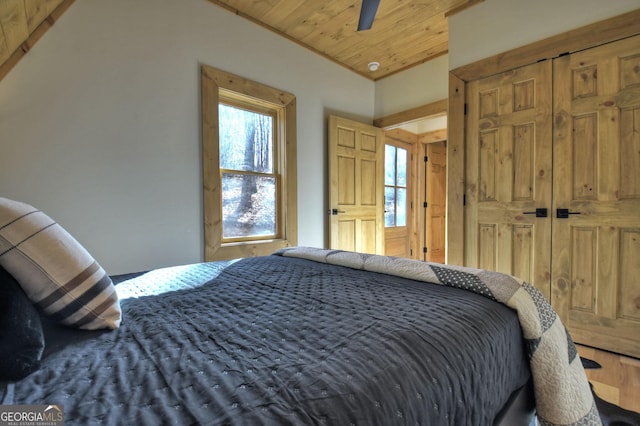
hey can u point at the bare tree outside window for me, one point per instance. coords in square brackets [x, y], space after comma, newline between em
[247, 172]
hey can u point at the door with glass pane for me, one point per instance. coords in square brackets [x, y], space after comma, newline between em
[398, 198]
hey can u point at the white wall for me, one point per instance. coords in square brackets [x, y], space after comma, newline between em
[495, 26]
[100, 123]
[412, 88]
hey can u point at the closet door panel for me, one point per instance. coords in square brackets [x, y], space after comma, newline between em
[508, 174]
[595, 276]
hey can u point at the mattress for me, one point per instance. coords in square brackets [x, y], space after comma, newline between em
[280, 340]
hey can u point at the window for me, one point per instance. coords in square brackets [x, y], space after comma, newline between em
[247, 172]
[249, 166]
[395, 186]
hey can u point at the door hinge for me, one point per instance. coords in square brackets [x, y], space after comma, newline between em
[426, 158]
[464, 200]
[424, 249]
[410, 252]
[425, 204]
[465, 108]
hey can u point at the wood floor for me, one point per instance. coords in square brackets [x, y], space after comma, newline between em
[618, 381]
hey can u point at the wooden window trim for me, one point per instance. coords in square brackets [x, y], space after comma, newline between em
[213, 81]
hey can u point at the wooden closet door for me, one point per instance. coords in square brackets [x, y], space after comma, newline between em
[596, 248]
[508, 174]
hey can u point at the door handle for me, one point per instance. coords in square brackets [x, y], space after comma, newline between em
[540, 212]
[564, 213]
[335, 212]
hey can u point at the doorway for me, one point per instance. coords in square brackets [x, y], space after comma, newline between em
[422, 125]
[419, 232]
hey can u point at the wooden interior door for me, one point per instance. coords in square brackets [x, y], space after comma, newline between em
[356, 186]
[509, 172]
[596, 246]
[436, 201]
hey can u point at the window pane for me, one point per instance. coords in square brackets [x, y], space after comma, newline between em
[246, 140]
[401, 208]
[248, 206]
[389, 165]
[389, 206]
[402, 167]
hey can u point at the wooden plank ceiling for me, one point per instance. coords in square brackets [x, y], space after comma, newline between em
[405, 33]
[22, 23]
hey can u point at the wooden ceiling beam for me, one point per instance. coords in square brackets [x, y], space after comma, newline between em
[433, 109]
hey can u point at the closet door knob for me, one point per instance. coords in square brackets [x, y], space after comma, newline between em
[540, 212]
[564, 213]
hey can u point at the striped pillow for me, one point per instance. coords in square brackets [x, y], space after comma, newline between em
[54, 270]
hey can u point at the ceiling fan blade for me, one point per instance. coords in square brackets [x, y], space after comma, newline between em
[367, 13]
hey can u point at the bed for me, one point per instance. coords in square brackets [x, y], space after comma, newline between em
[311, 337]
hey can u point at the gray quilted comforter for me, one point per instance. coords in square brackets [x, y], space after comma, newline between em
[562, 392]
[283, 340]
